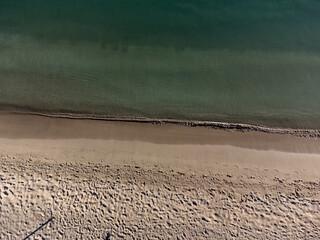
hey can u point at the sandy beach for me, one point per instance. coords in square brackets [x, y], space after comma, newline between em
[159, 120]
[148, 181]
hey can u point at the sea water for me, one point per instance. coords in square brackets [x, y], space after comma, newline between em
[250, 61]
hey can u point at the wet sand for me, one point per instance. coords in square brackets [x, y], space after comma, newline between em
[96, 177]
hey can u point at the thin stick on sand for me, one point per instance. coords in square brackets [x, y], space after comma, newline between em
[44, 224]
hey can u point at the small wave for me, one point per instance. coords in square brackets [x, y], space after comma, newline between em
[306, 133]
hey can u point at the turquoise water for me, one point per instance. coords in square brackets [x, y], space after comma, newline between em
[233, 61]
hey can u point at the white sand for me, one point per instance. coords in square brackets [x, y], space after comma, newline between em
[154, 182]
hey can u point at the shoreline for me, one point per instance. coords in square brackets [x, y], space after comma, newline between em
[169, 146]
[305, 133]
[33, 126]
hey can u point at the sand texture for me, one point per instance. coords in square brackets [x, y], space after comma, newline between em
[143, 181]
[132, 202]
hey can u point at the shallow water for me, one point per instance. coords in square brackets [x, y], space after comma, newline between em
[250, 61]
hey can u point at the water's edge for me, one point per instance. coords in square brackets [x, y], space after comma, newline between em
[305, 133]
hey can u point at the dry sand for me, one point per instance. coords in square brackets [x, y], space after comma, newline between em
[144, 181]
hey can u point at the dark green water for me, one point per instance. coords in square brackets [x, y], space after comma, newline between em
[248, 61]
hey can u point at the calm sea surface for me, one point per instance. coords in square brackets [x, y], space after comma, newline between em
[249, 61]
